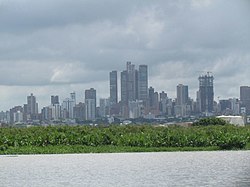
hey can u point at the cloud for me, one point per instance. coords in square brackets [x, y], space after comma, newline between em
[63, 45]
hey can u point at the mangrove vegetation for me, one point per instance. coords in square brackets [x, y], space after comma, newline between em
[131, 138]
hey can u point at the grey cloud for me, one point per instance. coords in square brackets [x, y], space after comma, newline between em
[55, 43]
[28, 15]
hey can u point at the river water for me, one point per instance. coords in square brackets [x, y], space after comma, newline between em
[218, 168]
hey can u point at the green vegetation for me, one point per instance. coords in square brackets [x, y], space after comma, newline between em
[86, 139]
[210, 121]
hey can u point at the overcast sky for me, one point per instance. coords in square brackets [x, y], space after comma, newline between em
[54, 47]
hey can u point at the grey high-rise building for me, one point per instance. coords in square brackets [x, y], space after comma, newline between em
[90, 104]
[153, 99]
[151, 92]
[79, 111]
[124, 96]
[182, 94]
[54, 100]
[163, 95]
[131, 82]
[206, 93]
[113, 87]
[73, 97]
[128, 84]
[181, 107]
[134, 83]
[32, 105]
[245, 98]
[13, 111]
[143, 82]
[163, 102]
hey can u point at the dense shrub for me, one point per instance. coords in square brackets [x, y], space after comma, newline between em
[226, 137]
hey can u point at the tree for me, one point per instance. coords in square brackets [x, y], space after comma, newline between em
[210, 121]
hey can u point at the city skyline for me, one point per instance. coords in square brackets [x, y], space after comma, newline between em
[80, 97]
[76, 43]
[137, 101]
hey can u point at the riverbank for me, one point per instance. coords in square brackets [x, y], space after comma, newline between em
[62, 149]
[86, 139]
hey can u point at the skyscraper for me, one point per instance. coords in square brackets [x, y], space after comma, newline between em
[113, 87]
[55, 107]
[134, 86]
[90, 104]
[163, 102]
[134, 83]
[104, 110]
[245, 98]
[128, 84]
[182, 94]
[124, 96]
[181, 108]
[68, 106]
[143, 82]
[54, 99]
[206, 93]
[131, 82]
[73, 97]
[32, 105]
[151, 92]
[79, 111]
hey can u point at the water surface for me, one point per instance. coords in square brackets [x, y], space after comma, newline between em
[218, 168]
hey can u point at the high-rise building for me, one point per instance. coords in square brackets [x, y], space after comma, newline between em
[32, 105]
[113, 87]
[18, 117]
[46, 113]
[90, 104]
[182, 107]
[163, 103]
[182, 94]
[225, 105]
[68, 106]
[131, 82]
[143, 83]
[235, 106]
[15, 113]
[151, 92]
[156, 101]
[104, 110]
[124, 95]
[54, 99]
[134, 86]
[245, 98]
[56, 111]
[163, 95]
[129, 90]
[135, 109]
[73, 97]
[79, 112]
[154, 104]
[206, 93]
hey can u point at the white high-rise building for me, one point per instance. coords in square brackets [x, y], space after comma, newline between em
[104, 107]
[56, 111]
[68, 106]
[135, 109]
[18, 117]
